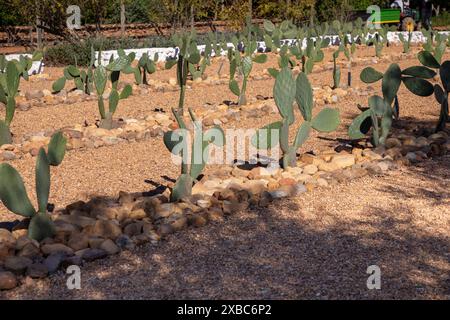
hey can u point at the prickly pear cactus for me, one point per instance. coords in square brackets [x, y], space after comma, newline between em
[336, 71]
[176, 142]
[15, 198]
[440, 91]
[414, 79]
[9, 87]
[286, 91]
[83, 79]
[242, 65]
[188, 54]
[406, 42]
[100, 77]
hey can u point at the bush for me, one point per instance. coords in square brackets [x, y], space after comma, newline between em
[79, 53]
[443, 20]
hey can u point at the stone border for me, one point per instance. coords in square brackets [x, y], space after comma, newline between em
[154, 125]
[92, 230]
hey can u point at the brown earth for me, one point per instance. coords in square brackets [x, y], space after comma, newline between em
[316, 246]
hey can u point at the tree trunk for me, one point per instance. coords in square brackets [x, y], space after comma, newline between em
[174, 15]
[250, 9]
[122, 17]
[192, 17]
[39, 33]
[288, 9]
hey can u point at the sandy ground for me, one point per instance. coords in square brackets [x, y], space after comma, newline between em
[316, 246]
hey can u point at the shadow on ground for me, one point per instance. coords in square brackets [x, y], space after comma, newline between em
[277, 253]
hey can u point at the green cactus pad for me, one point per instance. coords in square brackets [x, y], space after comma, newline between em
[370, 75]
[420, 72]
[194, 58]
[73, 71]
[59, 84]
[439, 93]
[269, 26]
[113, 101]
[304, 96]
[302, 134]
[247, 65]
[126, 92]
[391, 82]
[56, 149]
[428, 60]
[360, 126]
[326, 120]
[284, 94]
[12, 79]
[100, 78]
[199, 156]
[273, 72]
[234, 87]
[42, 180]
[5, 134]
[13, 193]
[170, 63]
[378, 105]
[419, 87]
[118, 64]
[444, 72]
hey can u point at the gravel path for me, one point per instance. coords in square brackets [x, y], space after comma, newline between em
[317, 246]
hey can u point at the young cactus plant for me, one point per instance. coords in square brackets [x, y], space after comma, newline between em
[441, 45]
[379, 41]
[101, 76]
[336, 70]
[286, 91]
[15, 198]
[406, 42]
[145, 65]
[83, 79]
[440, 92]
[313, 53]
[187, 54]
[198, 71]
[286, 59]
[176, 142]
[413, 78]
[243, 65]
[378, 117]
[9, 86]
[429, 37]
